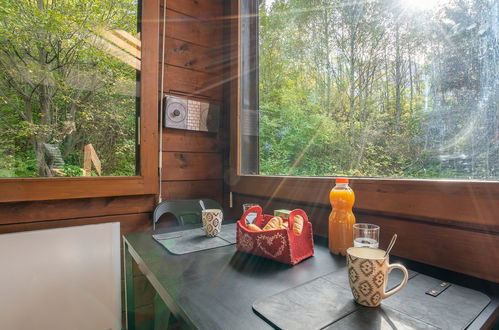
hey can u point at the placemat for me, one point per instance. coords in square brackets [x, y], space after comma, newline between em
[313, 305]
[328, 302]
[193, 240]
[228, 233]
[381, 318]
[454, 308]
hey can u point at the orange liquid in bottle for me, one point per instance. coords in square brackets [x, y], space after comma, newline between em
[341, 219]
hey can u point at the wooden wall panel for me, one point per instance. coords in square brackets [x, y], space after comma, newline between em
[457, 249]
[23, 212]
[190, 141]
[462, 251]
[192, 82]
[444, 201]
[193, 189]
[193, 66]
[191, 166]
[204, 9]
[191, 56]
[208, 33]
[129, 223]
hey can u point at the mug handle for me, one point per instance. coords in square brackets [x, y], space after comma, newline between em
[402, 284]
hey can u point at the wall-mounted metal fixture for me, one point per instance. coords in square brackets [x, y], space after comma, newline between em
[190, 114]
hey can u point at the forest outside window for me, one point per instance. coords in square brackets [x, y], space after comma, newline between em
[385, 88]
[69, 92]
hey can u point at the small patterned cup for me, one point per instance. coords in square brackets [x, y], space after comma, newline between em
[212, 221]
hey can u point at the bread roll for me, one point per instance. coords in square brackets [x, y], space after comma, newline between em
[297, 224]
[253, 227]
[274, 223]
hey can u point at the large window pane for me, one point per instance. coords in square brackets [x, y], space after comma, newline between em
[394, 88]
[69, 73]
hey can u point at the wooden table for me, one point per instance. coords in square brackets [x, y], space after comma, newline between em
[216, 288]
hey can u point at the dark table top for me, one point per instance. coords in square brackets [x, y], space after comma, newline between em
[215, 289]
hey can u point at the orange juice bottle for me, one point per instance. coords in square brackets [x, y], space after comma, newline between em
[341, 219]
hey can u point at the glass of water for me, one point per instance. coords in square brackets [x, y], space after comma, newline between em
[365, 235]
[246, 206]
[252, 216]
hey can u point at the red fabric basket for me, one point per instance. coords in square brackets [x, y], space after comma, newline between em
[281, 245]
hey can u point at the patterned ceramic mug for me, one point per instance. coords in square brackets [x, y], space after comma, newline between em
[212, 221]
[368, 275]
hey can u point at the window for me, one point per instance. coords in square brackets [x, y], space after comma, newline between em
[69, 91]
[388, 89]
[145, 181]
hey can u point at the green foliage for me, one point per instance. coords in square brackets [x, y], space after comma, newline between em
[72, 170]
[373, 89]
[25, 167]
[59, 85]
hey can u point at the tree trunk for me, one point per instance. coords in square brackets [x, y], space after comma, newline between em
[387, 84]
[352, 77]
[42, 167]
[328, 59]
[398, 77]
[44, 98]
[411, 81]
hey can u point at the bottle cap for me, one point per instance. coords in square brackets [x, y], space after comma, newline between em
[341, 180]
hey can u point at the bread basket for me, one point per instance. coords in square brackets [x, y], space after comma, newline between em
[281, 245]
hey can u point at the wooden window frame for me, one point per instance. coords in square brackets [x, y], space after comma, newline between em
[31, 189]
[472, 205]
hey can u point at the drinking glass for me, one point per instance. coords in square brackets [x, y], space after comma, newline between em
[365, 235]
[252, 216]
[246, 206]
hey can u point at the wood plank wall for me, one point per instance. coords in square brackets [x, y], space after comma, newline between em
[192, 162]
[133, 212]
[192, 165]
[449, 246]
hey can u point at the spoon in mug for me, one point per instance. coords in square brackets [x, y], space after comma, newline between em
[390, 246]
